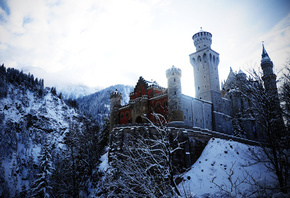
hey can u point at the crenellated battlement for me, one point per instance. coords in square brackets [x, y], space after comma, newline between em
[173, 72]
[116, 94]
[202, 40]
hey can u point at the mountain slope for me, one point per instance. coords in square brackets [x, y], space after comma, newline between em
[30, 117]
[75, 91]
[97, 105]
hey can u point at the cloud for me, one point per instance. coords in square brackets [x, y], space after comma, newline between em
[101, 43]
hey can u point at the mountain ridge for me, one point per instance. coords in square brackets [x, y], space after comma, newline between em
[97, 104]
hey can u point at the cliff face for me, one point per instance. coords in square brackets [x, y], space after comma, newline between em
[30, 117]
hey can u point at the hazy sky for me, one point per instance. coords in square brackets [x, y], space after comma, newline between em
[106, 42]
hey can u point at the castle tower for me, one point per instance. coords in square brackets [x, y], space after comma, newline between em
[116, 98]
[205, 65]
[268, 77]
[174, 94]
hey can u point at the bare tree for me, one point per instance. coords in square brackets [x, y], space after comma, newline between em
[285, 94]
[265, 107]
[232, 189]
[143, 166]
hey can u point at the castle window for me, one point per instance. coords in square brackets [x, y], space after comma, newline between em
[185, 117]
[165, 104]
[174, 92]
[127, 114]
[198, 88]
[122, 115]
[158, 105]
[174, 79]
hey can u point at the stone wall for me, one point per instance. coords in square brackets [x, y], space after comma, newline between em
[191, 141]
[197, 113]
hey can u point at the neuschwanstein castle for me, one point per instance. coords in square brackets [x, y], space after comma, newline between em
[212, 108]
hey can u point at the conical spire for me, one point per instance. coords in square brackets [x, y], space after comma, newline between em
[265, 56]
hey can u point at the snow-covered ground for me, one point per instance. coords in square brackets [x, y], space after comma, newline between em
[225, 168]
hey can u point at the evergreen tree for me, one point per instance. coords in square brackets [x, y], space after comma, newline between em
[41, 187]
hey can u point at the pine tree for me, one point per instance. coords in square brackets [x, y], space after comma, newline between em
[41, 187]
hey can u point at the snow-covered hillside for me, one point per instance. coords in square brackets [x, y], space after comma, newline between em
[226, 169]
[98, 104]
[27, 122]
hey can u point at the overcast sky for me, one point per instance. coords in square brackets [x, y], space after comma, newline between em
[107, 42]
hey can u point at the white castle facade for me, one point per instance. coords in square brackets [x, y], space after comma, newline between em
[213, 108]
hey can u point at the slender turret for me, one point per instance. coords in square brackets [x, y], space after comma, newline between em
[116, 99]
[269, 77]
[174, 94]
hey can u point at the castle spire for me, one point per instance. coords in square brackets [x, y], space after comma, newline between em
[265, 56]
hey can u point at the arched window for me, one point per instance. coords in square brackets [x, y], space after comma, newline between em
[139, 119]
[158, 105]
[199, 58]
[165, 104]
[204, 57]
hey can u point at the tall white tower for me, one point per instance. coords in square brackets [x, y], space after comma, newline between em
[205, 65]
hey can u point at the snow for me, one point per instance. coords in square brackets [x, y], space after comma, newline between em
[55, 116]
[104, 162]
[219, 159]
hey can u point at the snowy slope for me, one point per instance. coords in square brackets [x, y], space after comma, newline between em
[223, 162]
[27, 121]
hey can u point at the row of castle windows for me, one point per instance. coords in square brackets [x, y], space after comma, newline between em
[211, 58]
[122, 115]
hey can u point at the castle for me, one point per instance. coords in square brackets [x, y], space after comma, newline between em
[213, 108]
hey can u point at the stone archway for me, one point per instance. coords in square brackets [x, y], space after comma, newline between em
[139, 119]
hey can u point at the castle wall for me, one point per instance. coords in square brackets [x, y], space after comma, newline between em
[191, 141]
[197, 113]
